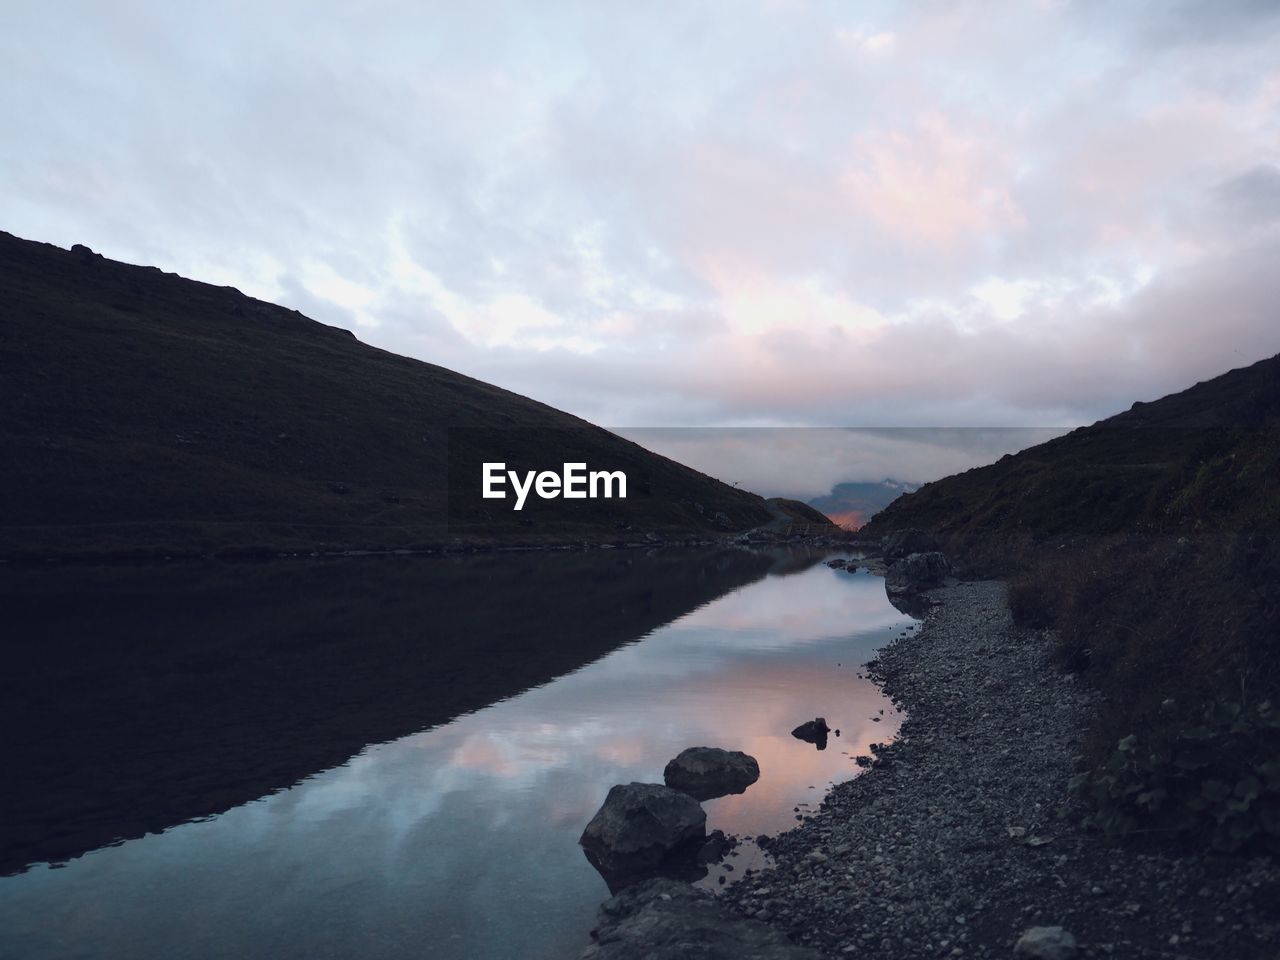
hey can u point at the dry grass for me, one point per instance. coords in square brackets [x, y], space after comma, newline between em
[1159, 625]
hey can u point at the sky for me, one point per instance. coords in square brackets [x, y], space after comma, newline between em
[697, 214]
[807, 462]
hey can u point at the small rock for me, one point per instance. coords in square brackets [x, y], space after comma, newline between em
[1046, 943]
[714, 849]
[813, 731]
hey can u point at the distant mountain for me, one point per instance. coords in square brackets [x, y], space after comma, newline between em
[149, 414]
[850, 505]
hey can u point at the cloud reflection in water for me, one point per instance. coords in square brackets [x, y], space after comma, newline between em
[461, 841]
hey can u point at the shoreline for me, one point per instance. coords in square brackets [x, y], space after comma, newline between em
[750, 539]
[962, 835]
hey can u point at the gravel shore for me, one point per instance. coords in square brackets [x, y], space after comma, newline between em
[960, 837]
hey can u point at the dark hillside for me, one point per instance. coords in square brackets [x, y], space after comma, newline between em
[1148, 543]
[797, 511]
[147, 413]
[1203, 459]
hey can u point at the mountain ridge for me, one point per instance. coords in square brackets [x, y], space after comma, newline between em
[1188, 459]
[150, 414]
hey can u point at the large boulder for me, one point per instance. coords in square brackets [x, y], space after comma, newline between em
[707, 772]
[917, 571]
[903, 543]
[639, 827]
[669, 920]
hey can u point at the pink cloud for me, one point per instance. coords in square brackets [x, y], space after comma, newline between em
[932, 185]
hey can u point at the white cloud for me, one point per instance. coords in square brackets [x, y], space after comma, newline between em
[866, 41]
[713, 213]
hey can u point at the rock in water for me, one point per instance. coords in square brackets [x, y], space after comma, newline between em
[903, 543]
[1046, 943]
[715, 848]
[669, 920]
[639, 826]
[917, 571]
[707, 772]
[813, 731]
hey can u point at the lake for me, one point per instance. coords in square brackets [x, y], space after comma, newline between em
[460, 840]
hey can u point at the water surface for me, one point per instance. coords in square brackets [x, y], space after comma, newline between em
[460, 841]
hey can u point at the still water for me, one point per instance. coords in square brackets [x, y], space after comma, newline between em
[461, 841]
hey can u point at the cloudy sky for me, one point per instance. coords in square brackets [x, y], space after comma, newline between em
[757, 212]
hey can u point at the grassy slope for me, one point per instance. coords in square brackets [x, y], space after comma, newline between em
[800, 512]
[1205, 458]
[1148, 541]
[149, 413]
